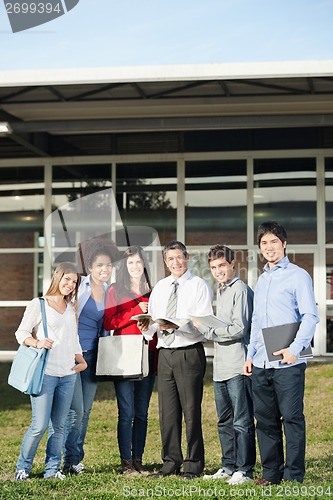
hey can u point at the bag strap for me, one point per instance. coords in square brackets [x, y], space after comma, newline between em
[42, 307]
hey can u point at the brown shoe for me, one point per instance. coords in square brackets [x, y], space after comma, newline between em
[137, 464]
[262, 482]
[128, 468]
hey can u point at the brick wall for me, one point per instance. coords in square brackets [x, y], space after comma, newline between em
[17, 280]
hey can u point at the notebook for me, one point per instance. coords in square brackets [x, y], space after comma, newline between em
[280, 337]
[210, 320]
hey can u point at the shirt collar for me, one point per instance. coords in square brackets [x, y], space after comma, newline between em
[184, 277]
[228, 283]
[85, 280]
[281, 264]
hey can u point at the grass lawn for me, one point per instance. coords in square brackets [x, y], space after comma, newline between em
[102, 480]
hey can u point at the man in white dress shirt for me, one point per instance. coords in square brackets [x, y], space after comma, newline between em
[182, 362]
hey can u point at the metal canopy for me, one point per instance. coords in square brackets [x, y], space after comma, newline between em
[59, 112]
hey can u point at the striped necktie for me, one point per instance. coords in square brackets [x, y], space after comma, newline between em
[171, 311]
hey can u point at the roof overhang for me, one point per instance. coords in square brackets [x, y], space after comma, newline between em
[42, 106]
[190, 72]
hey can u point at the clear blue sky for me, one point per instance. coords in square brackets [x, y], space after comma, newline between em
[104, 33]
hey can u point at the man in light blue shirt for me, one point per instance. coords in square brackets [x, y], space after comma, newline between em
[283, 294]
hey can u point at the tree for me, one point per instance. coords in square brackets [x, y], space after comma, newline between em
[147, 199]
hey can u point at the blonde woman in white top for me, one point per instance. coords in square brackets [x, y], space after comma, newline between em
[65, 360]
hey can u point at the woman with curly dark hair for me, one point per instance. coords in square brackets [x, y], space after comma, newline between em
[97, 257]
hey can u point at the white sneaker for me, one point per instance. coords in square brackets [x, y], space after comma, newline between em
[60, 476]
[238, 477]
[220, 474]
[21, 475]
[57, 475]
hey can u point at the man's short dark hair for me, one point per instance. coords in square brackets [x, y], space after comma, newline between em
[271, 227]
[221, 251]
[175, 245]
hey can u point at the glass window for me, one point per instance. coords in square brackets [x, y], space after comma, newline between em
[147, 196]
[82, 206]
[199, 266]
[21, 206]
[329, 322]
[329, 199]
[329, 273]
[215, 202]
[285, 191]
[21, 229]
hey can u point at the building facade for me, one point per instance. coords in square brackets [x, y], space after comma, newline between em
[200, 154]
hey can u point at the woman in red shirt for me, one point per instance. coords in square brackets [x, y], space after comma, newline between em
[128, 297]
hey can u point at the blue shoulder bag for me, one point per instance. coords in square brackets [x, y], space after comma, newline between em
[28, 367]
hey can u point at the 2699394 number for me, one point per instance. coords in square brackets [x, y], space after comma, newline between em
[303, 491]
[33, 8]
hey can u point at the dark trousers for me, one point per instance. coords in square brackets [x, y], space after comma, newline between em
[278, 401]
[180, 388]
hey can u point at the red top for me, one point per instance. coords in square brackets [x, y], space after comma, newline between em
[118, 313]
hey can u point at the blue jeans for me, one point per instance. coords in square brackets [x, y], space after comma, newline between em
[51, 405]
[133, 399]
[235, 425]
[278, 400]
[78, 417]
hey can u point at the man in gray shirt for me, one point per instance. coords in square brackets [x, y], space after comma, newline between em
[232, 391]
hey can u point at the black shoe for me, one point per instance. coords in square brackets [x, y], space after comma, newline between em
[127, 468]
[262, 482]
[188, 476]
[137, 464]
[161, 473]
[156, 475]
